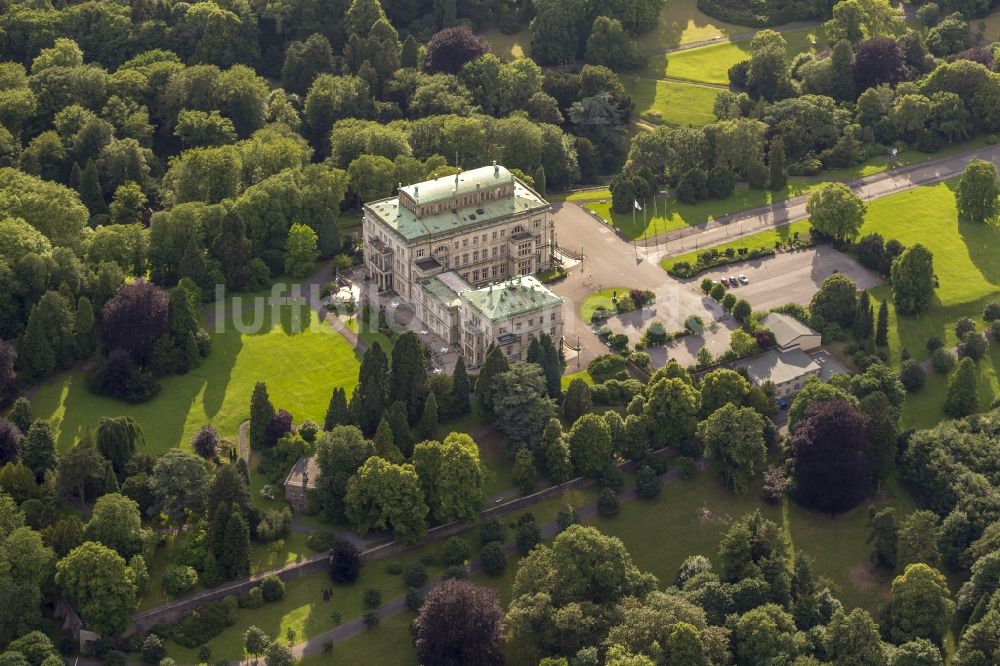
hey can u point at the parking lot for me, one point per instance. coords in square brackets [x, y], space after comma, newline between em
[792, 277]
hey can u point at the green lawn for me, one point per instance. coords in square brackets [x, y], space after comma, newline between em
[671, 102]
[600, 299]
[711, 64]
[681, 22]
[765, 239]
[672, 214]
[967, 265]
[582, 374]
[879, 164]
[690, 517]
[301, 363]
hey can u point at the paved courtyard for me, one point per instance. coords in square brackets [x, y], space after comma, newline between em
[792, 277]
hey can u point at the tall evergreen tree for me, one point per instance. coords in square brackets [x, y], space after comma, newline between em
[20, 414]
[551, 366]
[235, 560]
[540, 183]
[385, 444]
[778, 171]
[193, 265]
[460, 388]
[232, 250]
[337, 412]
[494, 364]
[882, 328]
[409, 55]
[328, 235]
[371, 396]
[75, 176]
[90, 190]
[261, 413]
[963, 397]
[409, 374]
[400, 426]
[183, 329]
[86, 334]
[429, 420]
[863, 318]
[534, 351]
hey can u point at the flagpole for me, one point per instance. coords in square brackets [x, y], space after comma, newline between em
[635, 204]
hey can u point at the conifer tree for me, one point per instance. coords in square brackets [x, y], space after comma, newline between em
[429, 420]
[551, 366]
[882, 328]
[460, 388]
[235, 559]
[863, 318]
[38, 448]
[409, 55]
[494, 364]
[20, 414]
[328, 235]
[261, 413]
[385, 445]
[540, 184]
[534, 351]
[409, 375]
[371, 396]
[86, 334]
[400, 426]
[183, 327]
[192, 265]
[776, 164]
[75, 176]
[337, 413]
[963, 397]
[90, 190]
[232, 250]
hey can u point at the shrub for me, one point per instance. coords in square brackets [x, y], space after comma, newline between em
[995, 330]
[973, 345]
[528, 536]
[491, 530]
[567, 516]
[272, 588]
[942, 361]
[718, 292]
[706, 284]
[252, 599]
[934, 342]
[608, 503]
[963, 326]
[656, 334]
[372, 597]
[370, 619]
[415, 574]
[345, 562]
[456, 550]
[912, 375]
[321, 540]
[456, 572]
[308, 430]
[728, 301]
[647, 486]
[178, 579]
[619, 342]
[153, 650]
[394, 568]
[992, 312]
[494, 558]
[274, 524]
[613, 478]
[199, 626]
[776, 483]
[686, 467]
[414, 600]
[608, 366]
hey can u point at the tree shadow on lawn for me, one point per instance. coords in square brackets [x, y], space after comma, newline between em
[981, 241]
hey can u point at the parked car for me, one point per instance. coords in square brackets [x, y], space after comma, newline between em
[783, 404]
[743, 279]
[733, 281]
[725, 282]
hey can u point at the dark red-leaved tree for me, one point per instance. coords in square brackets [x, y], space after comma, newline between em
[134, 319]
[10, 448]
[8, 378]
[280, 425]
[460, 623]
[832, 462]
[206, 442]
[451, 48]
[976, 54]
[878, 60]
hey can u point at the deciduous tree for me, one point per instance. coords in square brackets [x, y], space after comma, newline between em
[913, 280]
[460, 623]
[977, 196]
[101, 586]
[735, 436]
[832, 462]
[836, 211]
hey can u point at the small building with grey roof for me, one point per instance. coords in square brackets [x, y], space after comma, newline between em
[790, 333]
[788, 370]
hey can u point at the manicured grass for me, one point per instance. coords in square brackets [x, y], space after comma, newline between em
[509, 47]
[711, 63]
[672, 214]
[671, 102]
[765, 239]
[879, 164]
[368, 334]
[390, 644]
[582, 374]
[600, 299]
[690, 517]
[300, 363]
[992, 32]
[681, 22]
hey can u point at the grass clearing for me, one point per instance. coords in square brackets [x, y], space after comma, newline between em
[672, 214]
[681, 22]
[581, 374]
[765, 239]
[300, 358]
[600, 299]
[671, 102]
[690, 518]
[711, 64]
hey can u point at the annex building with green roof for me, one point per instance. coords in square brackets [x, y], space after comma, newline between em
[462, 250]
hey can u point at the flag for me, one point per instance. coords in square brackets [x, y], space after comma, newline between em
[637, 206]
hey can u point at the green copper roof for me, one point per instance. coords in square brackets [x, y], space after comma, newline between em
[516, 296]
[404, 222]
[465, 182]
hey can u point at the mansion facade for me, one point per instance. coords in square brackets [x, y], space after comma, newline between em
[463, 250]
